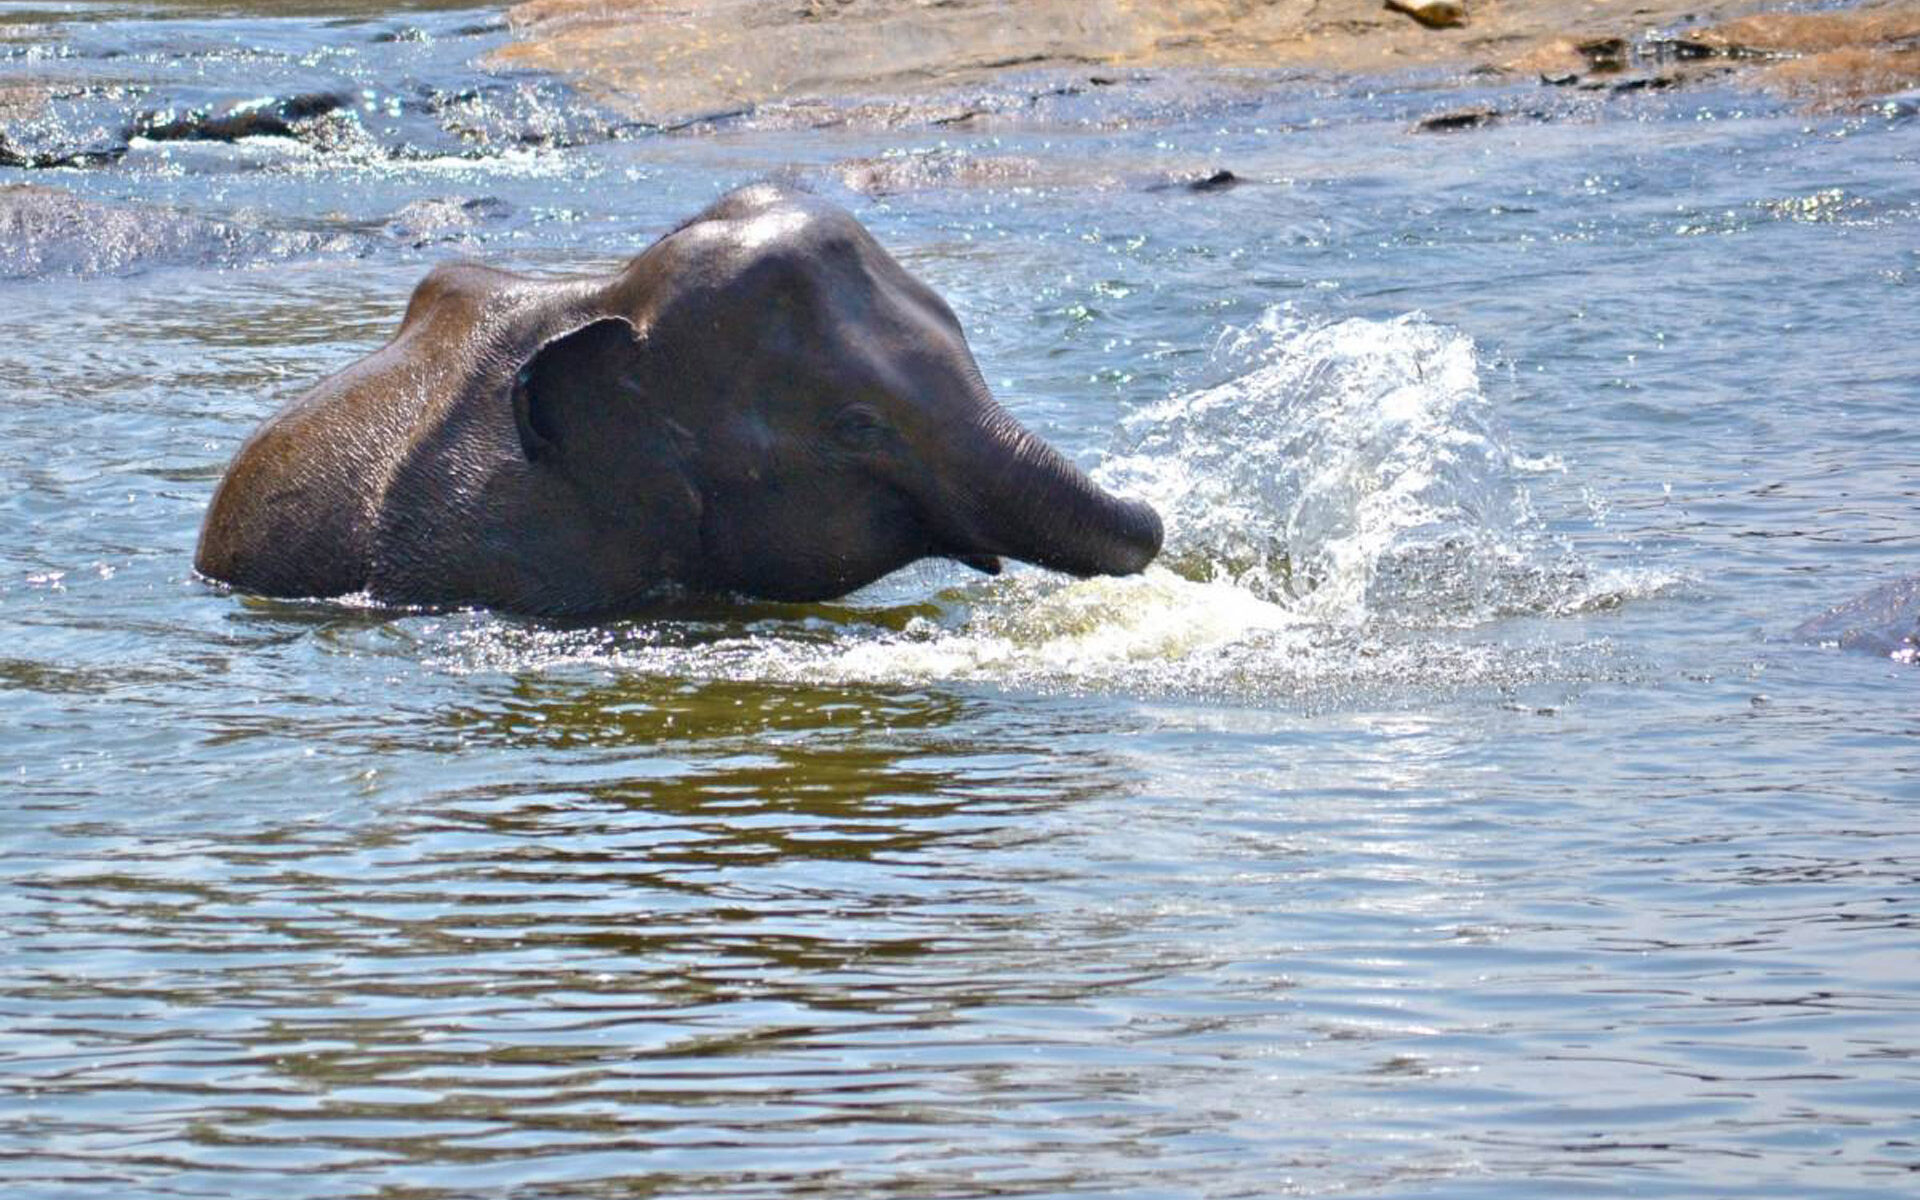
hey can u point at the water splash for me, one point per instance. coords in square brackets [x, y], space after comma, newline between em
[1344, 515]
[1354, 473]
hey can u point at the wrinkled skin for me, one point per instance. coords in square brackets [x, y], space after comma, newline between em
[762, 403]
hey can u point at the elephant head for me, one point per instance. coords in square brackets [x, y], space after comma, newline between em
[763, 402]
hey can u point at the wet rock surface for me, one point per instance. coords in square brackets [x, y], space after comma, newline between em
[667, 64]
[1457, 119]
[400, 90]
[1216, 181]
[51, 231]
[1825, 59]
[409, 98]
[445, 219]
[1828, 58]
[1884, 621]
[45, 126]
[235, 120]
[896, 174]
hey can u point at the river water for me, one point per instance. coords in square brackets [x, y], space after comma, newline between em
[1452, 812]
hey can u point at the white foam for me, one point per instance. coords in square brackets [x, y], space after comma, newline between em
[1345, 447]
[1038, 629]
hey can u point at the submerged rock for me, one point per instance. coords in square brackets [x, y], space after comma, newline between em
[1215, 181]
[50, 231]
[1645, 83]
[1449, 122]
[895, 174]
[445, 219]
[1219, 181]
[251, 118]
[44, 126]
[41, 160]
[1884, 621]
[890, 175]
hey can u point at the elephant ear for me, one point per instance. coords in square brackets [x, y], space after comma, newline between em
[550, 388]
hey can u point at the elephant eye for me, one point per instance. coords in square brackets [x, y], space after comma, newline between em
[859, 427]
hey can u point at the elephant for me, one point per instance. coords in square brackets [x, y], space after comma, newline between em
[763, 403]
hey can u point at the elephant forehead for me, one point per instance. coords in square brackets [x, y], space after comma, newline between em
[766, 253]
[773, 230]
[773, 244]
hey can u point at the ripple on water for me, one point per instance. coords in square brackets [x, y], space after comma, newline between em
[1405, 833]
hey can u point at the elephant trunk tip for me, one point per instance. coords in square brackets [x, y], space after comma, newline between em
[1139, 540]
[1038, 507]
[1128, 539]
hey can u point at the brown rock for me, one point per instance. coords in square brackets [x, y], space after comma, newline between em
[1605, 54]
[1449, 122]
[1831, 58]
[1844, 77]
[674, 62]
[1816, 33]
[1434, 14]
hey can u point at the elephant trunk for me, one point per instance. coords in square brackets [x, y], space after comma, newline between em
[1034, 505]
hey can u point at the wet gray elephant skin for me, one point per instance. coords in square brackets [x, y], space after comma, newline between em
[762, 403]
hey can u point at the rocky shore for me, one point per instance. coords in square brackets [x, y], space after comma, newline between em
[670, 61]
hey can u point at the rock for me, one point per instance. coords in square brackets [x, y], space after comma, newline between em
[891, 175]
[269, 118]
[1679, 49]
[1590, 63]
[406, 33]
[1605, 54]
[1219, 181]
[1827, 59]
[1556, 61]
[44, 125]
[1434, 14]
[1813, 33]
[13, 156]
[668, 64]
[445, 218]
[1883, 621]
[49, 231]
[1448, 122]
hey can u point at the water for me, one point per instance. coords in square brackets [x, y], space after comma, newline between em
[1451, 813]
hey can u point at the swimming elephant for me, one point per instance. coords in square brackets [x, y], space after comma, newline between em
[761, 403]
